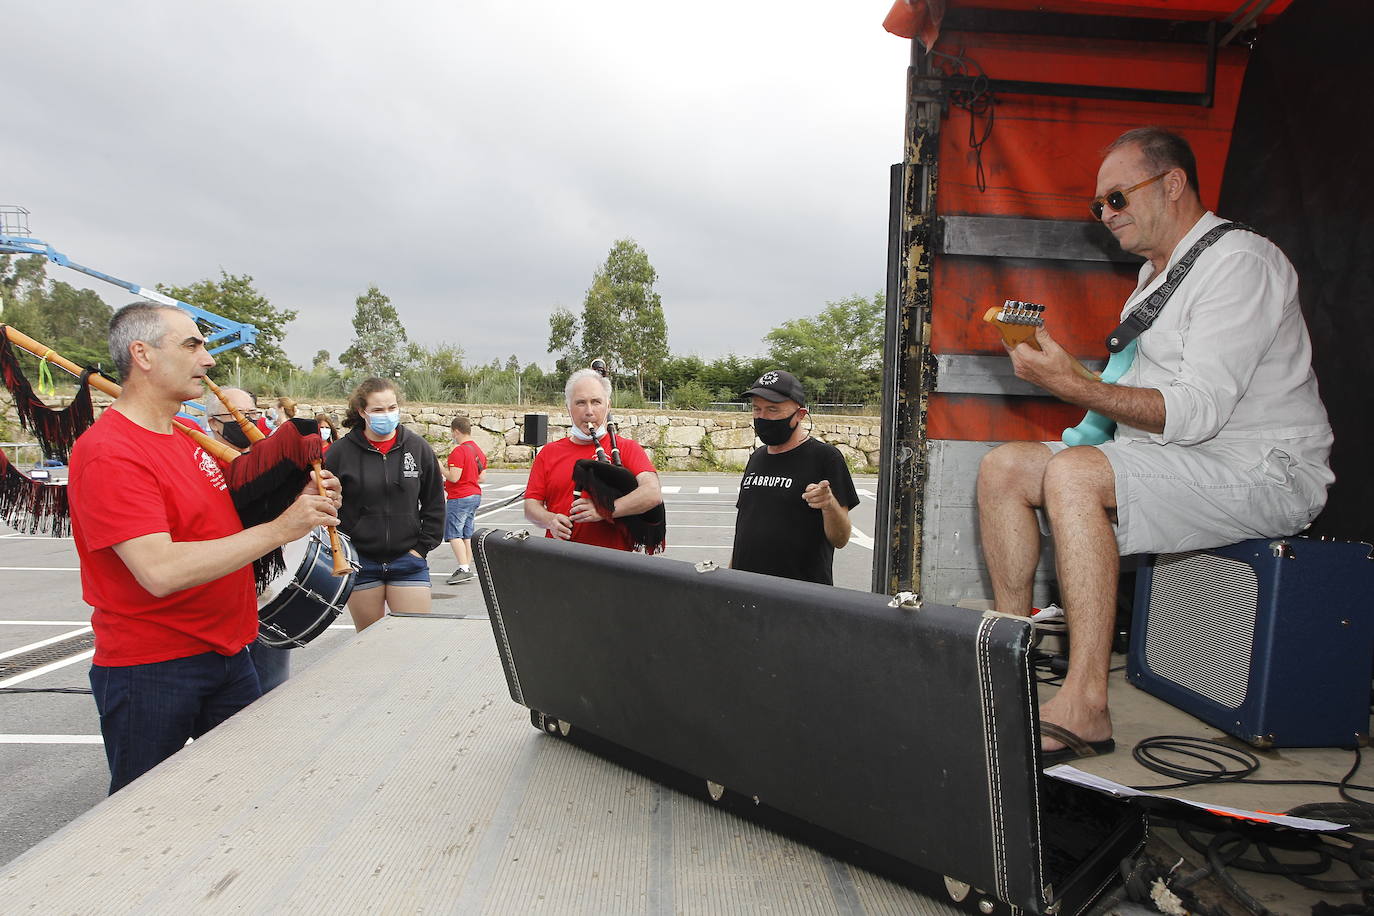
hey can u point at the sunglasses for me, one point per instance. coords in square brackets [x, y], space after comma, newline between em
[1118, 200]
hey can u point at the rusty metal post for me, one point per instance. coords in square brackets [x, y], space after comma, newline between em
[908, 367]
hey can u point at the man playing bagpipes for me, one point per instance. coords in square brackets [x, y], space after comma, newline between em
[591, 487]
[1220, 433]
[166, 562]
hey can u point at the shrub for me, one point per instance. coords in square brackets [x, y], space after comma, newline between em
[691, 396]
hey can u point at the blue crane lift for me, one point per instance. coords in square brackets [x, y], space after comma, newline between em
[224, 333]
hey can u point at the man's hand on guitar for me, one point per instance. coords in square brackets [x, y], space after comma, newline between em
[1051, 366]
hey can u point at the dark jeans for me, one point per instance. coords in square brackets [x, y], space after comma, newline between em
[148, 711]
[273, 665]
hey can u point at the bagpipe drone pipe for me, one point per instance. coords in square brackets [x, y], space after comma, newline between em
[263, 481]
[901, 734]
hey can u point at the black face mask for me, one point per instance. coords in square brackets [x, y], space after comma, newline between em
[234, 435]
[775, 432]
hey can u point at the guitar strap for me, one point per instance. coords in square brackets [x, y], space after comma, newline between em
[1144, 315]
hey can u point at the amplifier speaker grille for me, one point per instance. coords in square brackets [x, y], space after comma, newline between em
[1201, 628]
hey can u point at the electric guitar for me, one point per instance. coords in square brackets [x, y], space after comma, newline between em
[1017, 321]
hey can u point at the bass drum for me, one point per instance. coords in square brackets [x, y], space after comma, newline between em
[302, 602]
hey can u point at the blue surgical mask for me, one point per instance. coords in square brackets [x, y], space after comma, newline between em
[384, 424]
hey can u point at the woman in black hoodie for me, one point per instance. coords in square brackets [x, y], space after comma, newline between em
[393, 504]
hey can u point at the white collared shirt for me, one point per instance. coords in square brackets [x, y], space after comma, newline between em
[1230, 350]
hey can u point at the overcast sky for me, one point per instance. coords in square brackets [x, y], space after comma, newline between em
[474, 159]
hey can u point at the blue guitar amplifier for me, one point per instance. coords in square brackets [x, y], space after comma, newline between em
[1269, 640]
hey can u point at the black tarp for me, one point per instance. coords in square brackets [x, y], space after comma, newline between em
[1301, 171]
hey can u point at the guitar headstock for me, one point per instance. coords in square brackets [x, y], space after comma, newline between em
[1017, 321]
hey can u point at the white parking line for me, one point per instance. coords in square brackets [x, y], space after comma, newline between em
[705, 490]
[53, 666]
[40, 569]
[45, 642]
[508, 488]
[671, 490]
[51, 739]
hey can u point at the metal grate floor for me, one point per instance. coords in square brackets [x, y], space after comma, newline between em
[37, 658]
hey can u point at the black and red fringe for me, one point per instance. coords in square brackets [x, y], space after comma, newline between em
[265, 480]
[56, 430]
[33, 506]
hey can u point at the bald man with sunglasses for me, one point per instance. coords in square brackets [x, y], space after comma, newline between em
[1221, 435]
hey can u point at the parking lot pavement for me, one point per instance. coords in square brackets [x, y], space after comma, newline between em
[50, 747]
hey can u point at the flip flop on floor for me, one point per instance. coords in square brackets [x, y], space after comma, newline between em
[1075, 748]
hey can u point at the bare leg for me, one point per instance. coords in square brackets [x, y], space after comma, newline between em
[1080, 494]
[462, 548]
[407, 599]
[1009, 490]
[367, 607]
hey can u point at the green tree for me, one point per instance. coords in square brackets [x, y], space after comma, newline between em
[838, 354]
[622, 318]
[565, 339]
[235, 298]
[380, 345]
[74, 322]
[321, 360]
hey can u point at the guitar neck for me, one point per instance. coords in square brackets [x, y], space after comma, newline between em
[1016, 321]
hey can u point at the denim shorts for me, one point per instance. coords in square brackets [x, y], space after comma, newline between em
[407, 571]
[459, 515]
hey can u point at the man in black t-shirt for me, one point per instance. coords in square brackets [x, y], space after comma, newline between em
[795, 497]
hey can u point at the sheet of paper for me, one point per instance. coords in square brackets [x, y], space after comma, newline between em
[1071, 774]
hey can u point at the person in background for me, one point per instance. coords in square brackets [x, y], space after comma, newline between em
[273, 665]
[463, 475]
[550, 501]
[796, 493]
[329, 433]
[393, 504]
[284, 410]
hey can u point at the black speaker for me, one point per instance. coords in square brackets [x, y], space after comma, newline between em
[536, 429]
[1268, 640]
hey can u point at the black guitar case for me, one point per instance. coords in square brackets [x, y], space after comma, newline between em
[907, 732]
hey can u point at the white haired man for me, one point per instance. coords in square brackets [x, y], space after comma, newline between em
[549, 497]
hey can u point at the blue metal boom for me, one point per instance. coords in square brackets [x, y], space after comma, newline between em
[14, 239]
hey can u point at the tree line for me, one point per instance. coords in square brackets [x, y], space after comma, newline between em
[837, 353]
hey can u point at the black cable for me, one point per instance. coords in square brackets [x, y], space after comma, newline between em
[978, 101]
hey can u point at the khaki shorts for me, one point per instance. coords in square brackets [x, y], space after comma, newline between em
[1171, 498]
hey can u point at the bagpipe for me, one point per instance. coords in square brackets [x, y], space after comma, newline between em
[603, 480]
[262, 482]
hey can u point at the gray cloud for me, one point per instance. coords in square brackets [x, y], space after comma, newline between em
[474, 160]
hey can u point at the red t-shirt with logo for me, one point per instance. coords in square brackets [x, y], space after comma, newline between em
[470, 457]
[127, 482]
[551, 483]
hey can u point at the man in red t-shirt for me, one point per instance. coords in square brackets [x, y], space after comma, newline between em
[463, 474]
[549, 501]
[165, 561]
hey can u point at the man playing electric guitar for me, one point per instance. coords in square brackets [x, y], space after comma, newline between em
[1221, 434]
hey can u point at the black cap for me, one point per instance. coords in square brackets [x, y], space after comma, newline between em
[778, 386]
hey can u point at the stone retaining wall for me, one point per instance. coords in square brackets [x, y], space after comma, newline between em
[677, 440]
